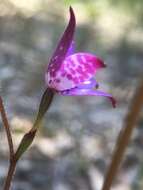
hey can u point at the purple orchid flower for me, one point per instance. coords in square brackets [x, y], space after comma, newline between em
[72, 74]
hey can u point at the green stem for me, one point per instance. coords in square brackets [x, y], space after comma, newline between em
[28, 138]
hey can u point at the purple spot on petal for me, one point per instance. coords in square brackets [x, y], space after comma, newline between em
[75, 80]
[53, 74]
[57, 80]
[69, 76]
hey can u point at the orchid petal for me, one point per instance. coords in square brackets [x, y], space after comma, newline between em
[75, 70]
[88, 92]
[63, 45]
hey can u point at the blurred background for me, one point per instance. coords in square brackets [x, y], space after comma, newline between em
[74, 146]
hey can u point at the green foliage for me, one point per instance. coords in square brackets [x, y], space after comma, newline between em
[25, 143]
[28, 137]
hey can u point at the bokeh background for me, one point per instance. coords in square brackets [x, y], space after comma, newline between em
[74, 146]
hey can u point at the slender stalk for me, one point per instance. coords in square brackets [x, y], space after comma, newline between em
[28, 137]
[12, 162]
[10, 175]
[7, 128]
[124, 137]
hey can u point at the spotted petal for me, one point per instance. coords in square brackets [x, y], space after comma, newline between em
[75, 70]
[62, 47]
[88, 92]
